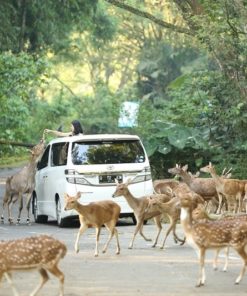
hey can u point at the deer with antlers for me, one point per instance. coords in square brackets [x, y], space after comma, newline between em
[96, 214]
[41, 253]
[213, 235]
[142, 212]
[22, 183]
[232, 189]
[205, 187]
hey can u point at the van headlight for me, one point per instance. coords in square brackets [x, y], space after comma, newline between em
[80, 181]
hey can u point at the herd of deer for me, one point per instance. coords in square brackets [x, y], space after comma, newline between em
[211, 211]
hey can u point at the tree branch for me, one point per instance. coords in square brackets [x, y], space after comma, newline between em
[14, 143]
[144, 14]
[65, 85]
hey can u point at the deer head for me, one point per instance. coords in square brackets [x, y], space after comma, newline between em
[71, 201]
[208, 168]
[121, 188]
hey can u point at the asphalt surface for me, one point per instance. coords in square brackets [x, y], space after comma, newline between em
[141, 271]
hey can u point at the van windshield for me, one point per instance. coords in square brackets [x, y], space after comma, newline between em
[107, 152]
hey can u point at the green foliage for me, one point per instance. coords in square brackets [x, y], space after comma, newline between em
[99, 112]
[36, 25]
[159, 65]
[20, 75]
[103, 28]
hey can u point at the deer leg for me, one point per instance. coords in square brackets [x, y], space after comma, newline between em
[167, 233]
[82, 229]
[118, 245]
[202, 276]
[6, 198]
[220, 197]
[58, 273]
[96, 253]
[176, 238]
[29, 197]
[227, 249]
[44, 279]
[157, 221]
[142, 234]
[215, 261]
[3, 208]
[243, 254]
[20, 209]
[240, 202]
[9, 280]
[10, 204]
[111, 228]
[138, 227]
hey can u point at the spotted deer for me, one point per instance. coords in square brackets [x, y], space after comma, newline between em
[22, 183]
[41, 253]
[203, 235]
[96, 214]
[232, 189]
[205, 187]
[200, 213]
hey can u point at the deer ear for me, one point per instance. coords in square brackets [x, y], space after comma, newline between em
[116, 181]
[210, 163]
[78, 195]
[66, 196]
[185, 168]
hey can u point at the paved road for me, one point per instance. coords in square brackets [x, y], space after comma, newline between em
[141, 271]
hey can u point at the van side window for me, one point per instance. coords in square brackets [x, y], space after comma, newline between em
[44, 159]
[59, 152]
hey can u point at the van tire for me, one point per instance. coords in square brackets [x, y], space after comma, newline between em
[133, 219]
[38, 218]
[60, 221]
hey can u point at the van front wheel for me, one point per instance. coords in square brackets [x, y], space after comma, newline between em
[60, 220]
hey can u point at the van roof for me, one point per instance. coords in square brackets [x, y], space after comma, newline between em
[97, 137]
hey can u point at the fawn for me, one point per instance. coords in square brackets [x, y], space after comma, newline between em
[141, 209]
[96, 214]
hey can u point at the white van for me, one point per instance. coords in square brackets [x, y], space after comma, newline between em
[89, 163]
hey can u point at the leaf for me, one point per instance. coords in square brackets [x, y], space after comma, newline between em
[165, 149]
[179, 136]
[151, 147]
[178, 82]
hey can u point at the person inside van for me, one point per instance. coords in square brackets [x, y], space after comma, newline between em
[76, 129]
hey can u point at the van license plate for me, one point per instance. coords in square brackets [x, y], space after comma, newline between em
[110, 178]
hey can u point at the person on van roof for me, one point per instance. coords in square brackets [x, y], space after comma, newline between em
[76, 129]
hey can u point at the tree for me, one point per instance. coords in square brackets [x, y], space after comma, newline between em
[218, 26]
[33, 25]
